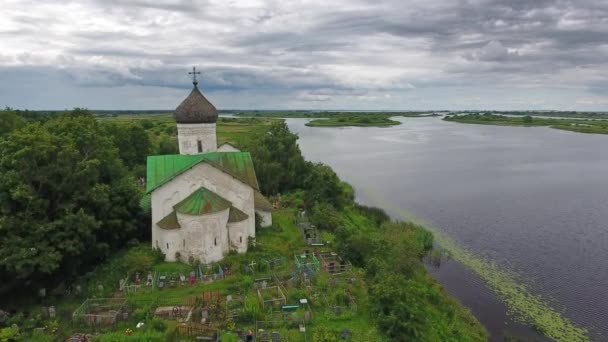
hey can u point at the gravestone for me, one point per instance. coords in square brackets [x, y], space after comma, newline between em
[52, 312]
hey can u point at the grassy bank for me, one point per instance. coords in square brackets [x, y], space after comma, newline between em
[574, 125]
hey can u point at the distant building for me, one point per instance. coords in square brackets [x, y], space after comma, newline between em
[203, 200]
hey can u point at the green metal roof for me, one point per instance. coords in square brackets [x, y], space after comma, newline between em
[236, 215]
[169, 221]
[202, 201]
[162, 169]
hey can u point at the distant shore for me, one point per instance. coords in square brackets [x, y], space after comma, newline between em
[574, 125]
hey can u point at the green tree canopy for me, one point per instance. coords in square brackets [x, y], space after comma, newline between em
[66, 198]
[279, 164]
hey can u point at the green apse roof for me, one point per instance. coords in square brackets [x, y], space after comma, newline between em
[261, 202]
[202, 201]
[169, 221]
[162, 169]
[236, 215]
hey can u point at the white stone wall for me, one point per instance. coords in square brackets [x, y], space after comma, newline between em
[189, 135]
[227, 148]
[168, 242]
[266, 217]
[238, 233]
[204, 237]
[171, 193]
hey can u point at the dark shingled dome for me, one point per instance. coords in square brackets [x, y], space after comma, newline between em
[195, 109]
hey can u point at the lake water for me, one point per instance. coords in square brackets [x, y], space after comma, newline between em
[532, 199]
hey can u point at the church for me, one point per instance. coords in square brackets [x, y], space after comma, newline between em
[204, 199]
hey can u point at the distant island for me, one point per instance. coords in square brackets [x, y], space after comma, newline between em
[341, 119]
[569, 123]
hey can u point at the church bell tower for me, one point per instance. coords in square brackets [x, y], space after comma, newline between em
[196, 118]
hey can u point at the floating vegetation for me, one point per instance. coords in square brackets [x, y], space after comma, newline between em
[524, 305]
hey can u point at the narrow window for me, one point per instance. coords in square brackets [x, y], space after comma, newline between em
[215, 241]
[200, 146]
[167, 245]
[184, 243]
[241, 239]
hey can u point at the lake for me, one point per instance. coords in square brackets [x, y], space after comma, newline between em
[531, 199]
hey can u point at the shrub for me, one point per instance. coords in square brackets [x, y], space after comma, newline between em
[159, 325]
[9, 334]
[325, 216]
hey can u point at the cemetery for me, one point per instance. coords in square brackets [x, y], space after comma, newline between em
[265, 291]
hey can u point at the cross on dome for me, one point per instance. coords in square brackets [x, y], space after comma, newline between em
[194, 73]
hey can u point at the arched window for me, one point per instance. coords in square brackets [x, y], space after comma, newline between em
[167, 245]
[200, 146]
[215, 241]
[241, 239]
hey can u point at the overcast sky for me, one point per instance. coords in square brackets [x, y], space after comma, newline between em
[325, 54]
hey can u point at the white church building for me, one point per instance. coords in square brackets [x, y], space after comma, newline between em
[204, 200]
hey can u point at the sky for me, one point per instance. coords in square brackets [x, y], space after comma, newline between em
[306, 54]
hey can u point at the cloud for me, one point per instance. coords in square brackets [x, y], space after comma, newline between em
[338, 54]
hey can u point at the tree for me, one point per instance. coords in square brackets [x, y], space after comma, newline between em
[66, 198]
[399, 307]
[167, 145]
[9, 121]
[527, 119]
[323, 185]
[279, 164]
[132, 142]
[324, 216]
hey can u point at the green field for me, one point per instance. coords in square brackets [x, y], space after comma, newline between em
[574, 125]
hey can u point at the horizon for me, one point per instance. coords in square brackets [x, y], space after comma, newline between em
[363, 54]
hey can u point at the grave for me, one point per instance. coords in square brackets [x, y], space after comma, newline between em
[271, 296]
[333, 263]
[99, 311]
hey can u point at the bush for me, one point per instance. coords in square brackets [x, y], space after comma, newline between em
[378, 215]
[9, 334]
[139, 259]
[325, 216]
[158, 325]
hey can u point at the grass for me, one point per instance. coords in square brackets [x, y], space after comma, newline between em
[574, 125]
[283, 239]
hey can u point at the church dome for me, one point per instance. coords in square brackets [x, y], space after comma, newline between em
[195, 109]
